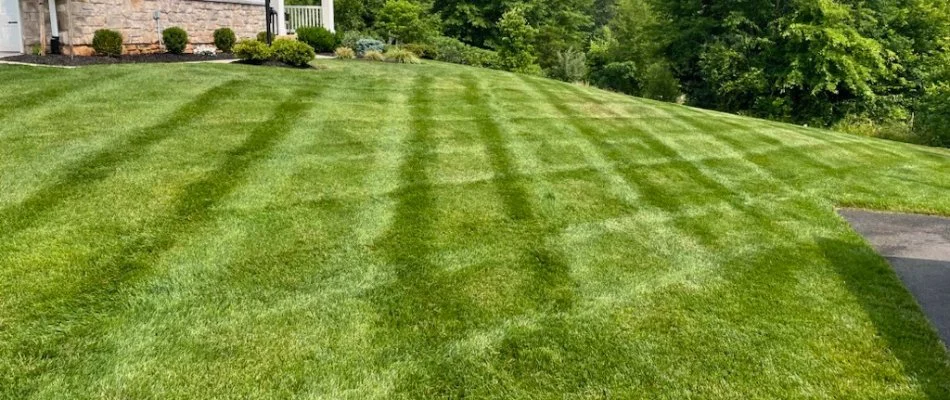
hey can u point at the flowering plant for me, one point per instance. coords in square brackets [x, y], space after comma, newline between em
[204, 50]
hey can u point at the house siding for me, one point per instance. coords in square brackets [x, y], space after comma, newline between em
[134, 19]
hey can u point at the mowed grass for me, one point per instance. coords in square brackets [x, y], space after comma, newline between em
[435, 231]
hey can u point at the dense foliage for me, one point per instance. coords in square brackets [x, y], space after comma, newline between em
[107, 42]
[175, 40]
[292, 52]
[318, 37]
[224, 39]
[253, 51]
[288, 51]
[856, 65]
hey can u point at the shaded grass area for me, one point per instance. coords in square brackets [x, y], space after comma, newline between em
[389, 231]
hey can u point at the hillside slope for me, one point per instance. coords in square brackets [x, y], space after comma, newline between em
[388, 231]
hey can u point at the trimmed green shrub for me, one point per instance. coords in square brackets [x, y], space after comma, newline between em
[366, 45]
[175, 39]
[345, 53]
[319, 38]
[402, 56]
[292, 52]
[253, 51]
[374, 55]
[224, 39]
[107, 43]
[262, 37]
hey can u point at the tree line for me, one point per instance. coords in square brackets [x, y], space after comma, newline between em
[873, 67]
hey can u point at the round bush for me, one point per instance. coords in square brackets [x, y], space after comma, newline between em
[176, 39]
[366, 45]
[345, 53]
[107, 43]
[253, 51]
[293, 52]
[322, 40]
[224, 39]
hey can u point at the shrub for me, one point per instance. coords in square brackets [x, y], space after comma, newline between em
[224, 39]
[660, 84]
[107, 43]
[345, 53]
[175, 39]
[571, 66]
[262, 37]
[366, 45]
[449, 49]
[421, 50]
[479, 57]
[454, 51]
[319, 38]
[253, 51]
[292, 52]
[622, 77]
[374, 55]
[402, 56]
[351, 38]
[406, 21]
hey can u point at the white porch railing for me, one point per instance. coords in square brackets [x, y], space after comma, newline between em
[300, 16]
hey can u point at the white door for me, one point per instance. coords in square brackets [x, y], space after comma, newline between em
[11, 38]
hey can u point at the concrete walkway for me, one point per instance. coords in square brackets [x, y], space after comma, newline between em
[918, 247]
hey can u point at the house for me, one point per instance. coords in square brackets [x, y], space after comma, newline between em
[26, 25]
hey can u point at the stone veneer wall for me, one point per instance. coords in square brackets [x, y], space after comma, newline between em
[31, 12]
[134, 19]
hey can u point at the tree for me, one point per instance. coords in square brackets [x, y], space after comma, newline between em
[472, 21]
[406, 22]
[560, 26]
[515, 49]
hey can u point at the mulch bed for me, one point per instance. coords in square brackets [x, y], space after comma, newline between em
[63, 60]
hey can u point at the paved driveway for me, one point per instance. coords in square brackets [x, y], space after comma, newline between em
[918, 247]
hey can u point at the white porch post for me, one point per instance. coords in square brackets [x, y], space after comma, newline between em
[326, 7]
[281, 18]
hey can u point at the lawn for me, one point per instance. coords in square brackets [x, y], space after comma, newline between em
[375, 230]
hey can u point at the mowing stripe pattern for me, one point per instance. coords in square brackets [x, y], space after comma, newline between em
[371, 230]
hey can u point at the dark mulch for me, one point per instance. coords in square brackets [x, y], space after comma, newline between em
[53, 59]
